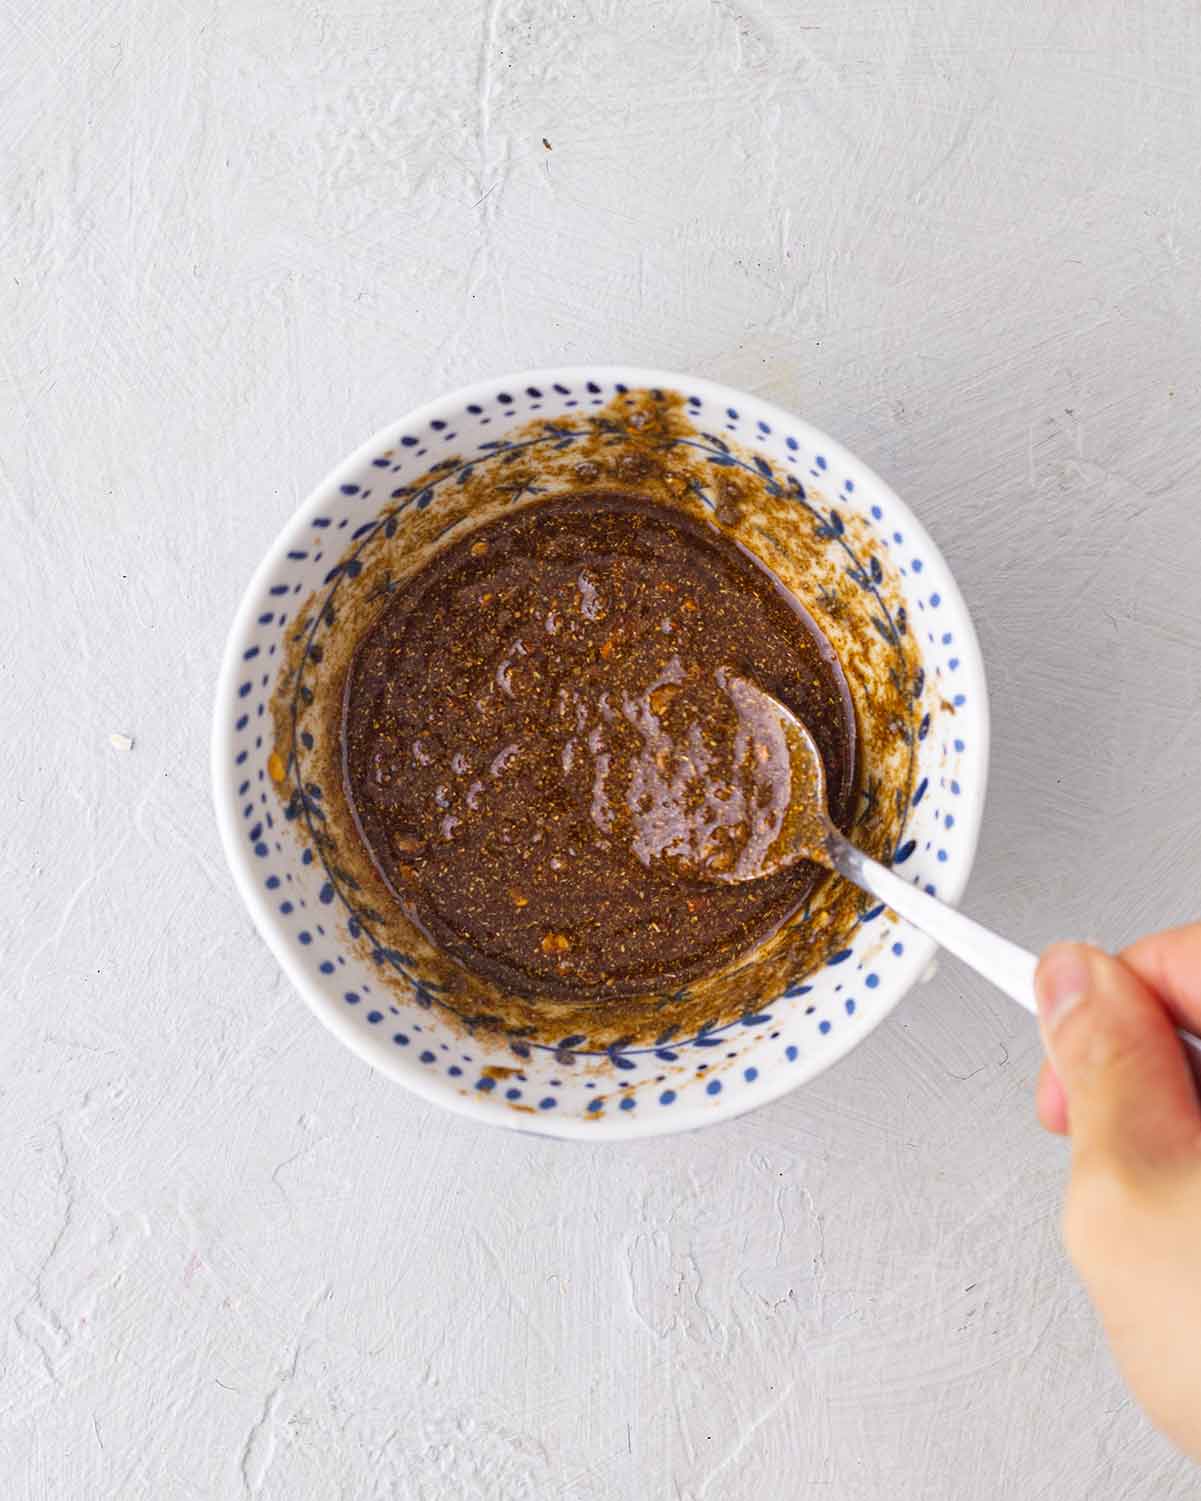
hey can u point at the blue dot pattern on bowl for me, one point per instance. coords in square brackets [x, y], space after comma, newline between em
[365, 504]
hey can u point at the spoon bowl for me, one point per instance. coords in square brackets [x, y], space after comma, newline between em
[782, 781]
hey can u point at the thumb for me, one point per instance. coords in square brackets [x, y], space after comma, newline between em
[1129, 1088]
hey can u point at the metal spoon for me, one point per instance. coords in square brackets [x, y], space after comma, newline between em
[805, 832]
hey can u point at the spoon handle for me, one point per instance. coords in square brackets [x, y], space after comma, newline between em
[1009, 967]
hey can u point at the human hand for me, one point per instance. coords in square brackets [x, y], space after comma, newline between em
[1119, 1081]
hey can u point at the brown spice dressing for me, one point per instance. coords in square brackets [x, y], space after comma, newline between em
[538, 731]
[645, 445]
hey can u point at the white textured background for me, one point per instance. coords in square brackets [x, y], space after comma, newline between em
[962, 235]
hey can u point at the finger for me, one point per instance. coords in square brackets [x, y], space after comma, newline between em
[1050, 1102]
[1128, 1086]
[1170, 963]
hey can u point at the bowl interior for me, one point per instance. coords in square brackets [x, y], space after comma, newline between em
[748, 1040]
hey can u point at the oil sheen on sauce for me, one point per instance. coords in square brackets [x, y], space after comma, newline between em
[538, 738]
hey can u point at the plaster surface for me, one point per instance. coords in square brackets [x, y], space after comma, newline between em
[963, 236]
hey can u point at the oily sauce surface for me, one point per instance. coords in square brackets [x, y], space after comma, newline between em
[538, 724]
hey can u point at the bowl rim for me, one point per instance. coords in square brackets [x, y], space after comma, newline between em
[610, 1127]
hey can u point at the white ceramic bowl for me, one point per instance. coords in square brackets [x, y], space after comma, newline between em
[571, 1090]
